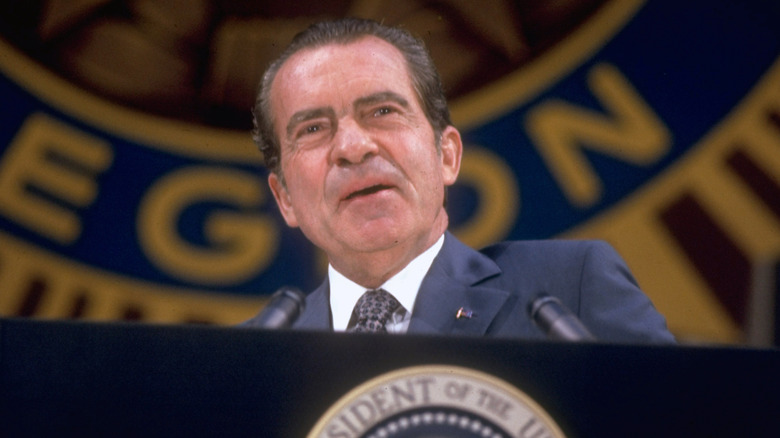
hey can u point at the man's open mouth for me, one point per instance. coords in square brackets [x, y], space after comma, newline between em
[368, 191]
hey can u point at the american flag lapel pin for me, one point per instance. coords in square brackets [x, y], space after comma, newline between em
[464, 313]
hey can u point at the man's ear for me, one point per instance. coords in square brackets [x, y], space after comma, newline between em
[282, 199]
[451, 154]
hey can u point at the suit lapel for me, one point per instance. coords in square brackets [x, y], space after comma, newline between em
[451, 284]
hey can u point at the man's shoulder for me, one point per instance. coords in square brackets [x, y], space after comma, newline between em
[549, 248]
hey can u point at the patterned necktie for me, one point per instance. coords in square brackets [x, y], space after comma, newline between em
[373, 309]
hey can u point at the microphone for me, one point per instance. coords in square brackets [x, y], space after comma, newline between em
[556, 321]
[284, 307]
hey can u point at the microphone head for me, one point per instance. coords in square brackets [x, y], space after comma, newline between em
[546, 304]
[556, 321]
[282, 310]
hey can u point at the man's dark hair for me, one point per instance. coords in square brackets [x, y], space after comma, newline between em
[424, 77]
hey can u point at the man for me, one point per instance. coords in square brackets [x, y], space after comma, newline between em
[354, 126]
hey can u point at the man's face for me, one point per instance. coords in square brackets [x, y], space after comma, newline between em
[359, 159]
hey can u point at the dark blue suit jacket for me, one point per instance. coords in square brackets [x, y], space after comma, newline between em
[498, 282]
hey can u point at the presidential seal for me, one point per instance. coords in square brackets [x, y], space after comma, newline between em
[436, 401]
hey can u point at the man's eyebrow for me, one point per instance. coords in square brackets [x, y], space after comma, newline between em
[308, 114]
[383, 96]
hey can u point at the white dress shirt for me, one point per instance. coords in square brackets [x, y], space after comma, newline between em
[404, 286]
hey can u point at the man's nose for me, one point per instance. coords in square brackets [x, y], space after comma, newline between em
[352, 144]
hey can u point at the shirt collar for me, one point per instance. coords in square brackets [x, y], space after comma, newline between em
[404, 286]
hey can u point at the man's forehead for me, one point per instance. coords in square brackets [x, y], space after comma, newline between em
[366, 51]
[372, 62]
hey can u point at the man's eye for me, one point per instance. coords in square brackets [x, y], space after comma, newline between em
[310, 129]
[383, 111]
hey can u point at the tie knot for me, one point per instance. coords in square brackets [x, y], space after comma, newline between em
[373, 310]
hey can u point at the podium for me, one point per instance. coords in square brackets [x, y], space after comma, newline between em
[126, 379]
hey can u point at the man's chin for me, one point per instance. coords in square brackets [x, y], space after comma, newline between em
[374, 238]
